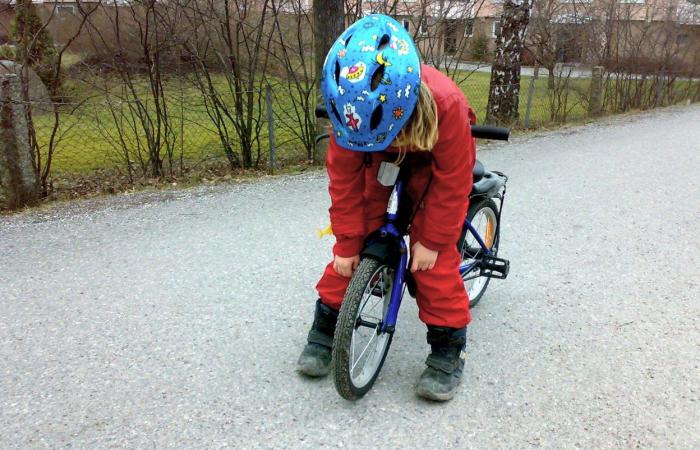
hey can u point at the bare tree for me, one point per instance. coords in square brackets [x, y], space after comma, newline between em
[31, 41]
[138, 46]
[292, 49]
[505, 74]
[58, 131]
[228, 51]
[329, 23]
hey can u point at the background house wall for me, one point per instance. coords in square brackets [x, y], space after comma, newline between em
[7, 14]
[579, 30]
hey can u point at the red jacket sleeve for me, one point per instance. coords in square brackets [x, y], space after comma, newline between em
[346, 188]
[453, 162]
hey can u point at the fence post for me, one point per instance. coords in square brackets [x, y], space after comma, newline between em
[659, 91]
[271, 127]
[595, 106]
[18, 177]
[530, 93]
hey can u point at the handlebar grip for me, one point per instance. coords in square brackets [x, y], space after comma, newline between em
[321, 112]
[490, 132]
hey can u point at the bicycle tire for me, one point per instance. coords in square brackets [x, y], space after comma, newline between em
[474, 208]
[345, 327]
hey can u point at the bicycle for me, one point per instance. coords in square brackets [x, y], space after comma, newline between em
[373, 297]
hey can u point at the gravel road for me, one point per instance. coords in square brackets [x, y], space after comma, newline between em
[174, 319]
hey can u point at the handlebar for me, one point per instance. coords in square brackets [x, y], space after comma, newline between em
[478, 131]
[490, 132]
[321, 113]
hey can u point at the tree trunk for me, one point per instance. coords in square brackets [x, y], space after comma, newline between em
[505, 73]
[18, 174]
[329, 23]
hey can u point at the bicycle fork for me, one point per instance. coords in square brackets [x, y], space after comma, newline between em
[397, 290]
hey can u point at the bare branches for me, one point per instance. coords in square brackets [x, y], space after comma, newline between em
[152, 76]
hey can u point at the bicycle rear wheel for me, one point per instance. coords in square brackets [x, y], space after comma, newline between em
[483, 215]
[359, 346]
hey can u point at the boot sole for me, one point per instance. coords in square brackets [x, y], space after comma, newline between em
[313, 373]
[436, 397]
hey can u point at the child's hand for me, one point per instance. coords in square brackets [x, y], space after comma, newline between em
[346, 266]
[422, 258]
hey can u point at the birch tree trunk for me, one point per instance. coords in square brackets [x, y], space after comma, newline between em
[329, 23]
[505, 72]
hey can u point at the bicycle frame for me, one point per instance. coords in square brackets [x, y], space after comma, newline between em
[389, 229]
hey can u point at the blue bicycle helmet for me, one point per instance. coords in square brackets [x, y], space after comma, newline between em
[371, 82]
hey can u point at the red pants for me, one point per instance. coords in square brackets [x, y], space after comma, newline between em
[441, 296]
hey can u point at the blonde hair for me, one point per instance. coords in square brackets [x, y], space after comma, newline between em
[421, 131]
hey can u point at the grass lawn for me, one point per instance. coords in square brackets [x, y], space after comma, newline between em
[92, 136]
[90, 139]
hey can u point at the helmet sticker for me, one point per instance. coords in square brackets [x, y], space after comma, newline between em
[382, 98]
[368, 48]
[359, 98]
[407, 91]
[381, 60]
[409, 69]
[352, 119]
[400, 45]
[341, 53]
[398, 112]
[354, 74]
[341, 90]
[393, 27]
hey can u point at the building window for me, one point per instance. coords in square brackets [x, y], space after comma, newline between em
[423, 29]
[496, 28]
[406, 24]
[469, 28]
[65, 9]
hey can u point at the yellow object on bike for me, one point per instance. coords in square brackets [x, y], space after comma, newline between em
[324, 231]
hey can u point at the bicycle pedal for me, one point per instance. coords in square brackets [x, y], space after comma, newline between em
[493, 267]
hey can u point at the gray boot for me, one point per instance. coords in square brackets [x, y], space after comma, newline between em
[440, 379]
[315, 359]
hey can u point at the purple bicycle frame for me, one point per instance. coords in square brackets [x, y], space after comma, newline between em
[398, 286]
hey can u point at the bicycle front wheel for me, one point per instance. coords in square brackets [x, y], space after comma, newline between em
[359, 345]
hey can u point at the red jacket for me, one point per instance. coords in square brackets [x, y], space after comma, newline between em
[439, 221]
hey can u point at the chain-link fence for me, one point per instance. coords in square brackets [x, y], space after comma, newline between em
[122, 136]
[143, 136]
[570, 94]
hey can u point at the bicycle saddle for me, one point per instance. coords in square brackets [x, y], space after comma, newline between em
[479, 171]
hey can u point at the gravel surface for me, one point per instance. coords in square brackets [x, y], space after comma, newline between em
[175, 319]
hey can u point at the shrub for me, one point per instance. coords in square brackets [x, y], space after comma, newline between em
[479, 47]
[8, 52]
[33, 42]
